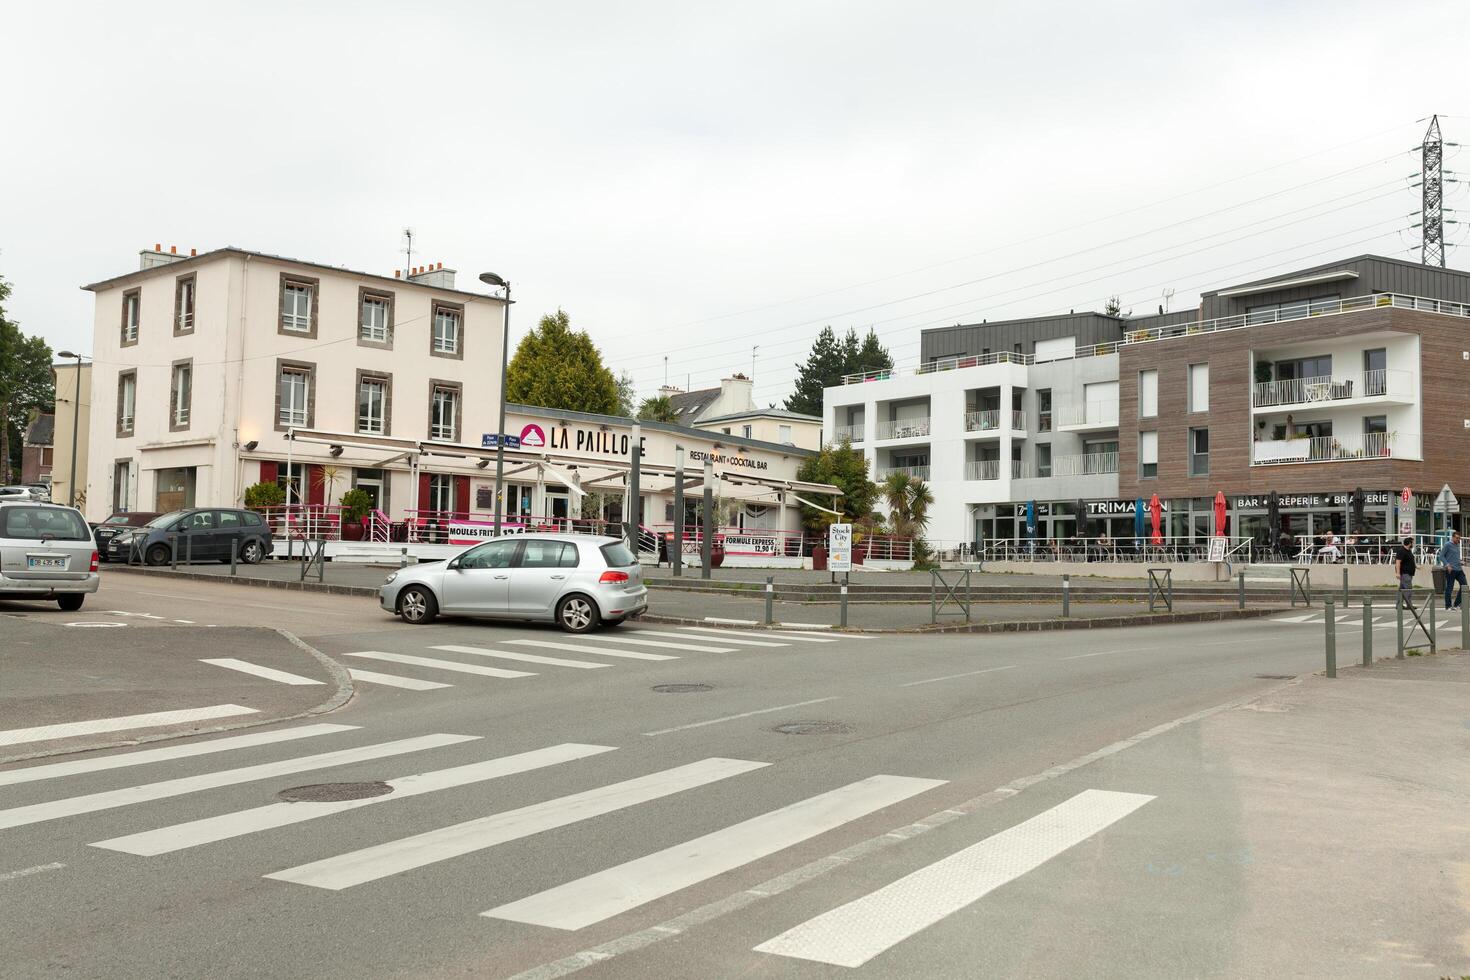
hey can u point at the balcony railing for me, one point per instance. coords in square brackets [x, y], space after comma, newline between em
[982, 469]
[1307, 391]
[922, 472]
[983, 420]
[848, 433]
[939, 364]
[1324, 449]
[1085, 464]
[1091, 414]
[903, 429]
[1018, 420]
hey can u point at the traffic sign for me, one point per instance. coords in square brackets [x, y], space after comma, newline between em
[492, 440]
[839, 547]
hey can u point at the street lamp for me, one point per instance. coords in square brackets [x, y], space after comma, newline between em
[76, 414]
[491, 279]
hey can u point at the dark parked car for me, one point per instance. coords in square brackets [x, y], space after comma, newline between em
[117, 523]
[203, 534]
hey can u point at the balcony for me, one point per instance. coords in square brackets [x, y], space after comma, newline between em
[848, 433]
[1383, 386]
[1327, 449]
[1092, 417]
[988, 420]
[903, 429]
[1085, 464]
[922, 472]
[982, 469]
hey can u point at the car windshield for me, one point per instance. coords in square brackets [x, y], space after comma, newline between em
[164, 520]
[35, 523]
[618, 555]
[117, 519]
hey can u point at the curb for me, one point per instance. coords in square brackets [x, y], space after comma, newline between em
[340, 697]
[1004, 626]
[264, 583]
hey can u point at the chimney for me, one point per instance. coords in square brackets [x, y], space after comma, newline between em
[152, 259]
[736, 394]
[433, 274]
[668, 391]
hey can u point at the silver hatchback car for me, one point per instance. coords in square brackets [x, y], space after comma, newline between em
[578, 581]
[46, 552]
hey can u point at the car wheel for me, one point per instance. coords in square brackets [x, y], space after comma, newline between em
[70, 603]
[251, 552]
[157, 555]
[576, 614]
[417, 606]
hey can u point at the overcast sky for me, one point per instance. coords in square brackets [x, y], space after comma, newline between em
[691, 180]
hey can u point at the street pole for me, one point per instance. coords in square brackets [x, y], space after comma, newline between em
[635, 491]
[76, 414]
[707, 521]
[676, 547]
[491, 279]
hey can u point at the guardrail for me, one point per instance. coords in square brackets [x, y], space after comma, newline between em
[1324, 449]
[1293, 392]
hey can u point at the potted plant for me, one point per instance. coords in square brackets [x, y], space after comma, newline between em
[262, 496]
[717, 553]
[356, 503]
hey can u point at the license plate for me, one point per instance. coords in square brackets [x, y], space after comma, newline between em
[45, 562]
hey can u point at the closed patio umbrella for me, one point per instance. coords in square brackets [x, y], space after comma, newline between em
[1082, 528]
[1138, 508]
[1031, 523]
[1156, 516]
[1219, 513]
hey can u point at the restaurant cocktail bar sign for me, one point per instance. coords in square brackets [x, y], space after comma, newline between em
[1310, 501]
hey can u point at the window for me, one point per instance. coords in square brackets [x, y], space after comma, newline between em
[298, 306]
[122, 484]
[228, 520]
[784, 435]
[372, 320]
[291, 479]
[1148, 394]
[372, 404]
[1292, 309]
[1375, 373]
[1301, 368]
[745, 431]
[445, 340]
[540, 553]
[252, 519]
[1043, 410]
[1199, 452]
[127, 401]
[1043, 459]
[618, 555]
[181, 395]
[441, 493]
[491, 554]
[34, 523]
[1199, 387]
[727, 430]
[184, 305]
[444, 413]
[293, 396]
[131, 314]
[1148, 455]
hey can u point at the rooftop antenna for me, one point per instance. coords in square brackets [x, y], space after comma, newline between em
[407, 252]
[666, 370]
[1168, 295]
[752, 362]
[1433, 206]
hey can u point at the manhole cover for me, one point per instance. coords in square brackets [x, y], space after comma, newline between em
[1274, 677]
[334, 792]
[813, 728]
[682, 688]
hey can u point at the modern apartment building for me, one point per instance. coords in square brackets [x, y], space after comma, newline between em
[203, 364]
[1313, 384]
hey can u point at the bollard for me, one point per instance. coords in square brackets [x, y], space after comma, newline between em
[770, 597]
[1345, 602]
[842, 620]
[1400, 607]
[1241, 590]
[1331, 622]
[1367, 631]
[173, 550]
[234, 554]
[1432, 607]
[1464, 625]
[188, 549]
[1066, 596]
[402, 557]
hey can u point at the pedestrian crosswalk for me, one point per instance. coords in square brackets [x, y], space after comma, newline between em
[568, 787]
[1382, 617]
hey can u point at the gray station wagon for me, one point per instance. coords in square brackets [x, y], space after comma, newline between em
[46, 552]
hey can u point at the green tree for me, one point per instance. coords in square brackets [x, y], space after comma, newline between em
[909, 499]
[829, 360]
[843, 467]
[558, 367]
[627, 395]
[25, 384]
[871, 356]
[658, 409]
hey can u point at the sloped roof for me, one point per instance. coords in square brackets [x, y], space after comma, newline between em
[689, 404]
[41, 432]
[762, 413]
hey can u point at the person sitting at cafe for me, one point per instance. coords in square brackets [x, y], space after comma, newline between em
[1329, 552]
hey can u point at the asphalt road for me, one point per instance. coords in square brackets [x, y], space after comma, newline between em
[938, 806]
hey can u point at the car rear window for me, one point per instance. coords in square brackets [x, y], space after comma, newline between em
[34, 523]
[253, 519]
[617, 555]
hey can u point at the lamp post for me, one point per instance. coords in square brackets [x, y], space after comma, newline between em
[491, 279]
[76, 414]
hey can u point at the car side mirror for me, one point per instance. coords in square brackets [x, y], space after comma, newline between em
[454, 564]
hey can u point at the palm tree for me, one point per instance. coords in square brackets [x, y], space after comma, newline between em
[657, 409]
[909, 499]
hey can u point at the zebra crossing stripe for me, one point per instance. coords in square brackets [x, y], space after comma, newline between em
[784, 637]
[625, 654]
[269, 673]
[21, 816]
[724, 638]
[395, 857]
[600, 896]
[700, 647]
[529, 658]
[403, 658]
[393, 680]
[854, 933]
[145, 756]
[97, 726]
[166, 840]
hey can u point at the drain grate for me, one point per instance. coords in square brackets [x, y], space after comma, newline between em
[333, 792]
[813, 728]
[682, 688]
[1274, 677]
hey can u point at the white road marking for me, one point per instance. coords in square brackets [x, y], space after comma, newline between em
[626, 654]
[950, 677]
[660, 644]
[186, 622]
[21, 816]
[747, 714]
[208, 830]
[393, 680]
[153, 719]
[725, 637]
[395, 857]
[1095, 653]
[785, 637]
[600, 896]
[805, 626]
[854, 933]
[35, 870]
[145, 756]
[810, 638]
[98, 626]
[269, 673]
[733, 622]
[529, 658]
[403, 658]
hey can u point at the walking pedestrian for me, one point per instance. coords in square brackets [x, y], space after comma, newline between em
[1404, 565]
[1454, 571]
